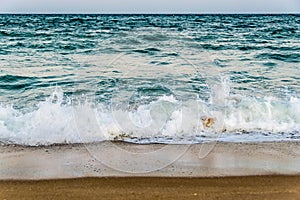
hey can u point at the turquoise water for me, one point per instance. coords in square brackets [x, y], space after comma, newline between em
[149, 78]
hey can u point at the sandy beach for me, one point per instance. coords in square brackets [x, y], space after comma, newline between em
[253, 187]
[120, 159]
[267, 170]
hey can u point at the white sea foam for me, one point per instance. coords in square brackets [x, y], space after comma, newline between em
[59, 121]
[266, 114]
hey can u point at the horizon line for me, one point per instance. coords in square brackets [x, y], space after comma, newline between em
[149, 13]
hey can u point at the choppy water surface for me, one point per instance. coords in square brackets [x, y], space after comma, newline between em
[149, 78]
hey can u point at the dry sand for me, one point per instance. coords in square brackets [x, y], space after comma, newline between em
[265, 187]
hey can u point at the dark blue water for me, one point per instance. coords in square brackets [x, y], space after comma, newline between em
[149, 78]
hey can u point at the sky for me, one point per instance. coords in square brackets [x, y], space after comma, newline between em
[150, 6]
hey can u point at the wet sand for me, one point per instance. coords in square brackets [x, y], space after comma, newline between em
[154, 160]
[252, 187]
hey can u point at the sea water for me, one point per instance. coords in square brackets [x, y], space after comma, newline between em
[149, 78]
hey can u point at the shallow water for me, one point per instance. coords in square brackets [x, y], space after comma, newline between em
[149, 78]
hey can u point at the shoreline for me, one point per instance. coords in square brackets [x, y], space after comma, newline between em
[119, 159]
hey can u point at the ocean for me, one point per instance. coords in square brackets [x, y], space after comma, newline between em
[171, 79]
